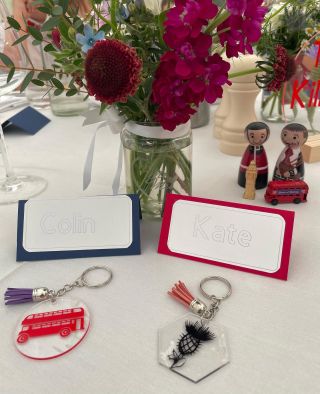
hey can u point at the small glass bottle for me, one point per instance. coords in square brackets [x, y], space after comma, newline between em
[63, 105]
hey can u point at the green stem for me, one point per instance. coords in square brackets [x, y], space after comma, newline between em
[280, 102]
[273, 104]
[266, 101]
[217, 21]
[156, 172]
[278, 11]
[105, 20]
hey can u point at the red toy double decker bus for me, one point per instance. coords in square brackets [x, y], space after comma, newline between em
[61, 322]
[286, 192]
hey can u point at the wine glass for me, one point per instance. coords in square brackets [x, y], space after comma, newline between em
[15, 187]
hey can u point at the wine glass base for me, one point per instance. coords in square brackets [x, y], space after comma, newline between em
[21, 187]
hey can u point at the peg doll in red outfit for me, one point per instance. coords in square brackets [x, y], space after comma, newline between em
[290, 165]
[257, 134]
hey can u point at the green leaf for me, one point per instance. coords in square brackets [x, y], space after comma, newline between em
[37, 82]
[78, 62]
[57, 83]
[63, 28]
[13, 23]
[57, 92]
[78, 24]
[20, 39]
[45, 10]
[36, 42]
[71, 92]
[35, 33]
[57, 10]
[49, 48]
[64, 4]
[11, 74]
[6, 60]
[71, 33]
[50, 23]
[106, 28]
[103, 106]
[26, 81]
[46, 75]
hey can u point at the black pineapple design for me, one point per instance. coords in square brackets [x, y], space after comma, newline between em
[189, 342]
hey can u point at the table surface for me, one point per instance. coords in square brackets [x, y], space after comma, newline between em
[273, 326]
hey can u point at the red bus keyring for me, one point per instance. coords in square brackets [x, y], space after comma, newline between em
[61, 322]
[58, 324]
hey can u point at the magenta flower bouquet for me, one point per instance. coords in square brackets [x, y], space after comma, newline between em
[153, 62]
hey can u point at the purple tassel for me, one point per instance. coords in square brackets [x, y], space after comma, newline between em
[17, 296]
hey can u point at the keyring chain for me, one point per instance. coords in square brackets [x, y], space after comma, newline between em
[65, 289]
[17, 296]
[194, 331]
[198, 307]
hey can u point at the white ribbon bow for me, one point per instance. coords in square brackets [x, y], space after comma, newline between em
[110, 118]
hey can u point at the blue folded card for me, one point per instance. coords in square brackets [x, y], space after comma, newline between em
[28, 120]
[80, 227]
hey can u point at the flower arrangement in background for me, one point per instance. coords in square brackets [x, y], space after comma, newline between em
[153, 67]
[286, 43]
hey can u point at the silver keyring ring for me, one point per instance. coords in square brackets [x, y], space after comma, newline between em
[220, 279]
[96, 267]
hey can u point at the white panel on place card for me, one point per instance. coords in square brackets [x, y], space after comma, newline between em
[102, 222]
[244, 238]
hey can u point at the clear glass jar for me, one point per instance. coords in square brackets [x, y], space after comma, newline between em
[63, 105]
[276, 106]
[157, 162]
[274, 109]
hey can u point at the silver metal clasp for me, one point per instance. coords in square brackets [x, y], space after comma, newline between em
[198, 307]
[40, 294]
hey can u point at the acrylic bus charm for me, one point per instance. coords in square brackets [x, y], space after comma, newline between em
[56, 325]
[193, 346]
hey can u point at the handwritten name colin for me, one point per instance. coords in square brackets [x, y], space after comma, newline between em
[204, 228]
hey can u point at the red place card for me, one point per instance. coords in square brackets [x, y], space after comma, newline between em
[239, 236]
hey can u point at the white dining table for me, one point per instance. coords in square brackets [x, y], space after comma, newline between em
[273, 326]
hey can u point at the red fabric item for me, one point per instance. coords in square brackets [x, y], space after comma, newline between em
[261, 159]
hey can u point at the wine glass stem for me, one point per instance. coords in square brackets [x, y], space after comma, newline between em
[3, 149]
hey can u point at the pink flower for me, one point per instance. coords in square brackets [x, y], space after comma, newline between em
[56, 38]
[187, 73]
[243, 27]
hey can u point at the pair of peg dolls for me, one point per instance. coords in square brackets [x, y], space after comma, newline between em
[289, 166]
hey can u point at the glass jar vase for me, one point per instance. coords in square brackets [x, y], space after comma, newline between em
[64, 105]
[157, 162]
[276, 108]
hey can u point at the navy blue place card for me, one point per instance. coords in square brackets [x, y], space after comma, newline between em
[28, 120]
[80, 227]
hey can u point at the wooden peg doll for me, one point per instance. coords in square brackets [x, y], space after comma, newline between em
[257, 133]
[290, 165]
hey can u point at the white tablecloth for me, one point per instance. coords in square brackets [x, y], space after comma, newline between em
[273, 326]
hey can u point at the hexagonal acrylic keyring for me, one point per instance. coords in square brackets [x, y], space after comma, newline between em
[191, 349]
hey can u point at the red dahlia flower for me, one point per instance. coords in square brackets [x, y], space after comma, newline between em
[112, 71]
[283, 68]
